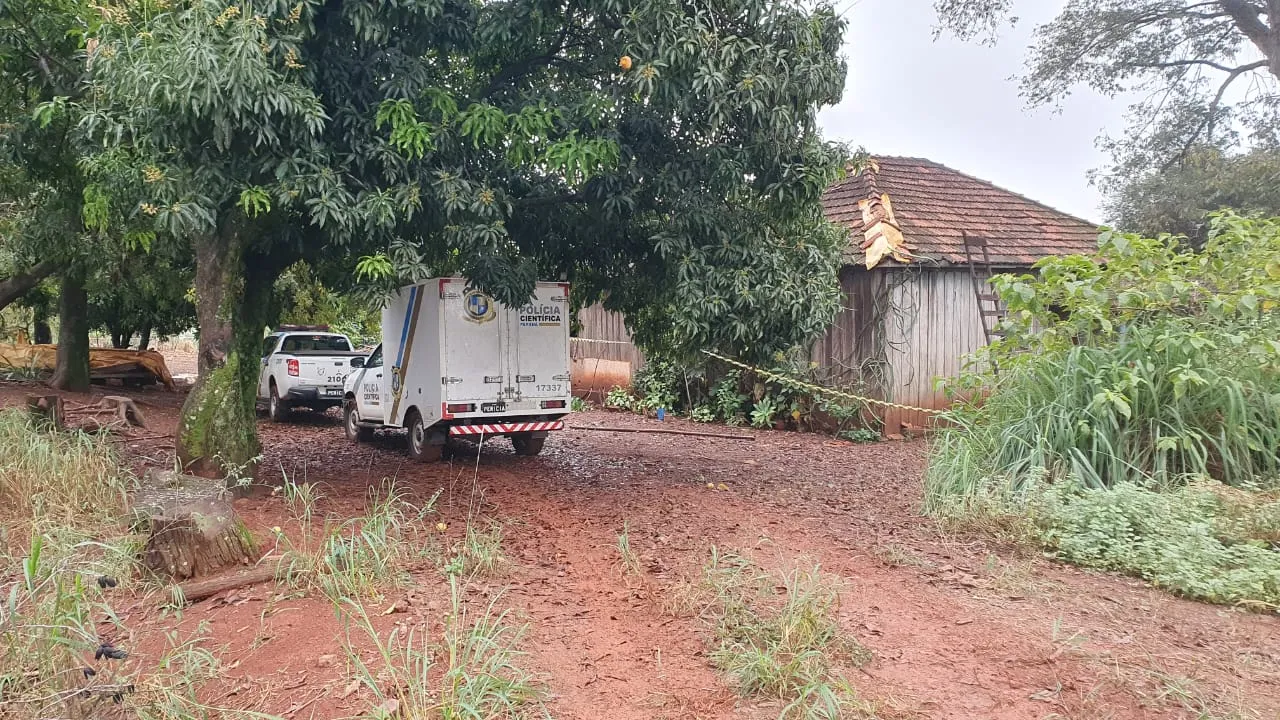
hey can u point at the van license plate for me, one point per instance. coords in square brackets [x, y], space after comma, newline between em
[493, 407]
[333, 392]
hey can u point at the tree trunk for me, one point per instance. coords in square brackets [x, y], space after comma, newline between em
[218, 433]
[72, 370]
[120, 339]
[19, 284]
[44, 334]
[194, 530]
[144, 338]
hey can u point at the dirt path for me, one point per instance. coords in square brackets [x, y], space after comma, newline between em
[959, 629]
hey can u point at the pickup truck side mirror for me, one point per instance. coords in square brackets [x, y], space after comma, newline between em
[357, 362]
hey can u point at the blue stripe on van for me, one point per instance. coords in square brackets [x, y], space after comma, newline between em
[408, 319]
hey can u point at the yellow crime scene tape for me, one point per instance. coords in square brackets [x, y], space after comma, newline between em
[817, 388]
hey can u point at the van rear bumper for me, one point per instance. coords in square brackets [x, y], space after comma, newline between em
[507, 428]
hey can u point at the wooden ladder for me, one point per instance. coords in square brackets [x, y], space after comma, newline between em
[990, 309]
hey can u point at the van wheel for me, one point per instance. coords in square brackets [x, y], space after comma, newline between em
[351, 420]
[277, 407]
[420, 447]
[526, 444]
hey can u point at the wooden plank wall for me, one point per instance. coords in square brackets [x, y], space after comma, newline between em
[851, 353]
[604, 335]
[935, 324]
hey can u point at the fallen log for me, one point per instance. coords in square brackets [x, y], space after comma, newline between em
[197, 590]
[662, 431]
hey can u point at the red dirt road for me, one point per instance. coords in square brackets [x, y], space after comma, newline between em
[958, 628]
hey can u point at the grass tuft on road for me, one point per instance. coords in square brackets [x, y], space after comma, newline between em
[775, 636]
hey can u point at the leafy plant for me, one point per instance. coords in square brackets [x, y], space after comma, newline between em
[763, 412]
[619, 398]
[657, 385]
[859, 435]
[703, 414]
[727, 399]
[577, 404]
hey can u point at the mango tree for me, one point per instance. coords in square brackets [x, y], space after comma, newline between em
[665, 151]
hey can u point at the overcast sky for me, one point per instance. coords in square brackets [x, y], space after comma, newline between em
[955, 103]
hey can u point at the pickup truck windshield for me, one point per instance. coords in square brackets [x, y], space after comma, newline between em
[315, 343]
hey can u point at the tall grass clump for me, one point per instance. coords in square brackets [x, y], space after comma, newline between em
[775, 636]
[58, 479]
[1123, 379]
[472, 670]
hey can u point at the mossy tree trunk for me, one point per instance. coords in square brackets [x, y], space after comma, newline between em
[72, 370]
[217, 435]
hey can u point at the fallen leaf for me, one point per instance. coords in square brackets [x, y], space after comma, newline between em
[350, 689]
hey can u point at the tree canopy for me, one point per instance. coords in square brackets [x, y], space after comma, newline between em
[1207, 71]
[664, 152]
[1182, 199]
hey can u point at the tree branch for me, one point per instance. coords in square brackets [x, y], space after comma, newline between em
[19, 284]
[1247, 17]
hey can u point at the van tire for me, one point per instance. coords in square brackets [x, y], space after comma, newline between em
[351, 422]
[526, 444]
[420, 447]
[277, 407]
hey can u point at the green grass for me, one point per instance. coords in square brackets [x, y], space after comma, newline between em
[626, 555]
[359, 557]
[472, 670]
[782, 646]
[64, 524]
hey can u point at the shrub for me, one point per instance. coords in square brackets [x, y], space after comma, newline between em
[1121, 377]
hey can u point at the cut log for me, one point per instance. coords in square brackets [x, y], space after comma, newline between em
[193, 528]
[48, 410]
[197, 590]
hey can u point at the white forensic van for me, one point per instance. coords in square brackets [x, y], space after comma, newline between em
[454, 362]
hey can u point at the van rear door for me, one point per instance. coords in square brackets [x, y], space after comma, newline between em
[540, 343]
[473, 345]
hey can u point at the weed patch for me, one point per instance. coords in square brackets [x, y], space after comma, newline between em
[775, 636]
[471, 671]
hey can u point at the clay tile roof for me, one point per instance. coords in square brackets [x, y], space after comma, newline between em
[935, 204]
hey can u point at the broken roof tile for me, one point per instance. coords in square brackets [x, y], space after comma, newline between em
[935, 206]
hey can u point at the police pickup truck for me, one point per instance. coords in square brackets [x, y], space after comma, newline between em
[303, 366]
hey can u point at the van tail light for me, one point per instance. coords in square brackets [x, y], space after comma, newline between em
[293, 367]
[552, 404]
[459, 408]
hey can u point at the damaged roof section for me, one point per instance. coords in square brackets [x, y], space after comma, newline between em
[906, 211]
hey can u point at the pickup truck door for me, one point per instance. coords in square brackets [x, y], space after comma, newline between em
[369, 389]
[264, 375]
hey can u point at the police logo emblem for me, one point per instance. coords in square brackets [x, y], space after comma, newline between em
[479, 307]
[395, 381]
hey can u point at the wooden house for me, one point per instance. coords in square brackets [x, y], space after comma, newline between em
[923, 242]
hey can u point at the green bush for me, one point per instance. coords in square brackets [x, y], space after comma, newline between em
[1121, 377]
[1187, 540]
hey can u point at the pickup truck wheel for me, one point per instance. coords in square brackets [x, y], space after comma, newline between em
[526, 444]
[420, 447]
[277, 407]
[351, 421]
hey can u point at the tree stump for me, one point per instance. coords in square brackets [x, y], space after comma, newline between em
[193, 528]
[126, 410]
[47, 410]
